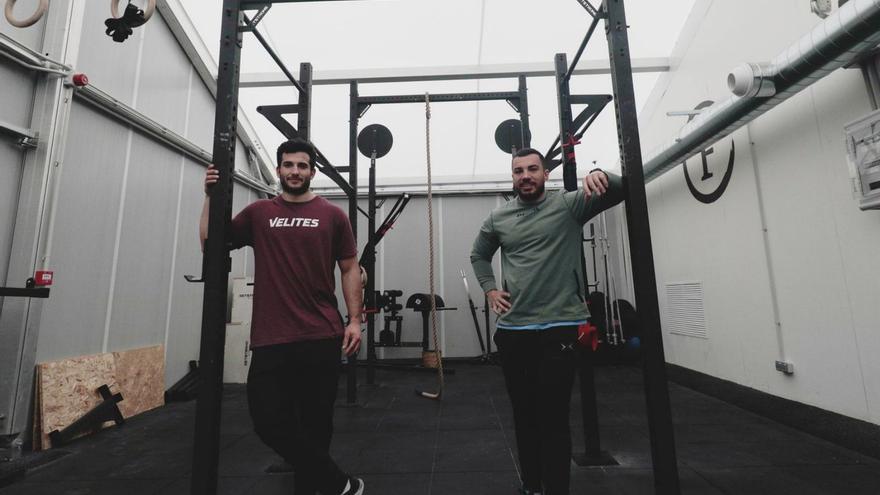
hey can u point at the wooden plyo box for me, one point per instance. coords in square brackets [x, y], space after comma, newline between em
[67, 389]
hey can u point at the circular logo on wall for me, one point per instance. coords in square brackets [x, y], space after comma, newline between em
[706, 179]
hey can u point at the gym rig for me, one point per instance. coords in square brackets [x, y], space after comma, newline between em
[217, 261]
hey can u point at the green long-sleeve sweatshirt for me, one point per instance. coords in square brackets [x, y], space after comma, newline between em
[540, 254]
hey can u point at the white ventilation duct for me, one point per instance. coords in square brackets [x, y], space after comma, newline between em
[750, 80]
[835, 42]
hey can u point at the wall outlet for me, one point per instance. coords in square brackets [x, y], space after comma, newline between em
[785, 367]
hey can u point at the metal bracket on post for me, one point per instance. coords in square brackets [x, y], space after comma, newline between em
[586, 117]
[274, 114]
[26, 137]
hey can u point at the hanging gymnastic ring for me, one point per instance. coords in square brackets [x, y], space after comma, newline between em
[148, 10]
[30, 21]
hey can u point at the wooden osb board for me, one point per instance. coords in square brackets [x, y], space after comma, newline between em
[140, 374]
[67, 389]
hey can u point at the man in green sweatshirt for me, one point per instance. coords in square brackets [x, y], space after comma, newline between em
[540, 303]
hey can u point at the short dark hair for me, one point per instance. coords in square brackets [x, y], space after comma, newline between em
[295, 145]
[530, 151]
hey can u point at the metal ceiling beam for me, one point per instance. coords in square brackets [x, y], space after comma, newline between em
[450, 73]
[256, 4]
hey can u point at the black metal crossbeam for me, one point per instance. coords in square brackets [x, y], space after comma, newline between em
[253, 29]
[590, 9]
[583, 46]
[275, 115]
[438, 98]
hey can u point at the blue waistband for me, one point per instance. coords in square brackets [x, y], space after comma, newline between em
[541, 326]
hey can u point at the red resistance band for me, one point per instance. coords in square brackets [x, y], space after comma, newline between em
[588, 336]
[569, 146]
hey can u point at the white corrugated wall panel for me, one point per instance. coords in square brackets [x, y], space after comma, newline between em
[145, 247]
[462, 217]
[164, 79]
[83, 237]
[185, 320]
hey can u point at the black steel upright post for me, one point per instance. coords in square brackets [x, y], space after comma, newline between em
[666, 480]
[524, 112]
[304, 116]
[354, 116]
[566, 133]
[370, 267]
[589, 408]
[206, 443]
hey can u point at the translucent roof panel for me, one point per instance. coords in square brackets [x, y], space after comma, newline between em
[403, 34]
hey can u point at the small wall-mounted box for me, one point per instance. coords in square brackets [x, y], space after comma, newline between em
[785, 367]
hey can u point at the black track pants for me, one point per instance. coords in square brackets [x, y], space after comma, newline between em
[539, 368]
[291, 393]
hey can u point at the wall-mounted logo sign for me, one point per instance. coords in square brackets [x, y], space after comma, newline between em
[709, 170]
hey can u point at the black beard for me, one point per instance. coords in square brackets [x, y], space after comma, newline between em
[539, 190]
[296, 191]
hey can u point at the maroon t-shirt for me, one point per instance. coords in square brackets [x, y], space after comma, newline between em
[296, 247]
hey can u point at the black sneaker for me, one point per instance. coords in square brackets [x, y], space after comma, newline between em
[526, 491]
[356, 487]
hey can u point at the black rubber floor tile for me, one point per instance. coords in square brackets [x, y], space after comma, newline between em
[802, 452]
[740, 433]
[476, 483]
[399, 420]
[629, 447]
[719, 454]
[249, 456]
[712, 412]
[474, 450]
[86, 487]
[629, 481]
[280, 484]
[377, 452]
[758, 481]
[357, 418]
[468, 417]
[842, 480]
[397, 484]
[225, 486]
[105, 461]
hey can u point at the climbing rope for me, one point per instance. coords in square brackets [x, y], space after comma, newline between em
[30, 21]
[440, 377]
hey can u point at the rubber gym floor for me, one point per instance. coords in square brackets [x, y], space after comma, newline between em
[403, 444]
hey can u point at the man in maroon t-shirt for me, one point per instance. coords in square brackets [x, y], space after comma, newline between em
[297, 333]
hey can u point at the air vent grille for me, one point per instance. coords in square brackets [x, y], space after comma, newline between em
[684, 309]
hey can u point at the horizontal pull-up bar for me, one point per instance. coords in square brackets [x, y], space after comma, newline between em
[436, 98]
